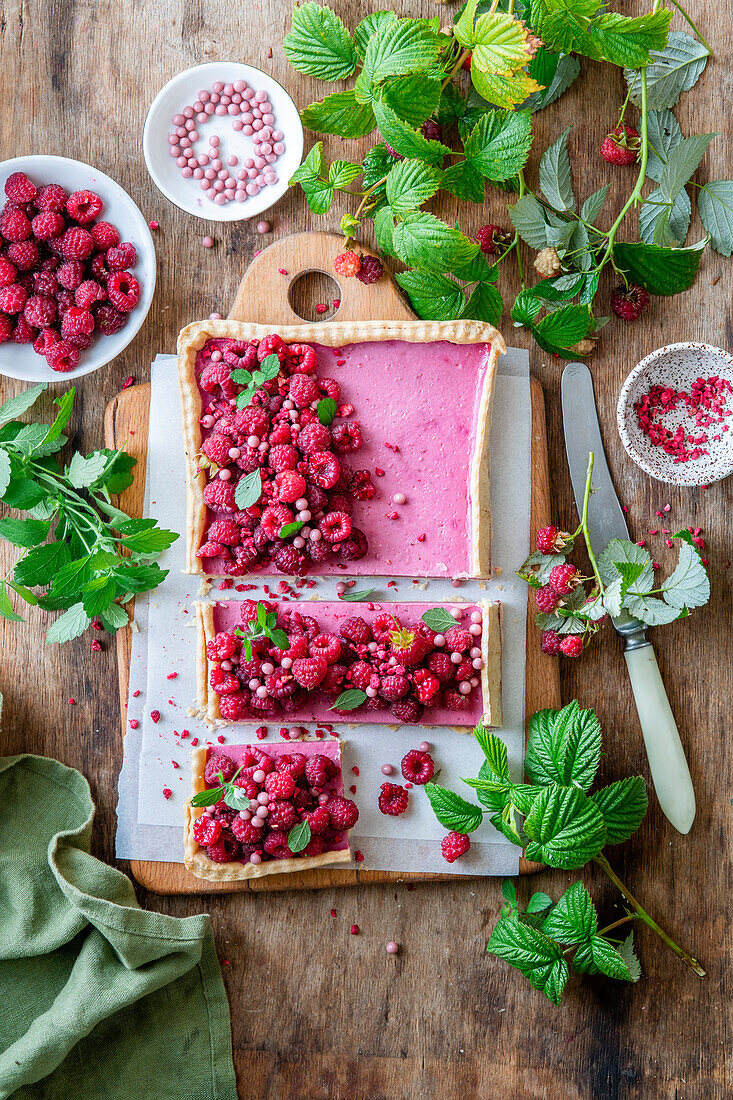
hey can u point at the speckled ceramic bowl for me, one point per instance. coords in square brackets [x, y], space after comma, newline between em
[677, 366]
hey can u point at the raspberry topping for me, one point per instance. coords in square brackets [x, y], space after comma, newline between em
[454, 845]
[417, 767]
[393, 799]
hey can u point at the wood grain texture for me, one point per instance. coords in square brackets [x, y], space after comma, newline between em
[339, 1019]
[276, 271]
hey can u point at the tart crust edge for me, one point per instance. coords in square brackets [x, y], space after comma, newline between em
[199, 864]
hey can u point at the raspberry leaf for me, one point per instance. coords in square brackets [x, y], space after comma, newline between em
[565, 828]
[414, 98]
[69, 625]
[533, 953]
[598, 955]
[615, 592]
[530, 221]
[494, 750]
[319, 44]
[537, 568]
[369, 26]
[438, 619]
[16, 406]
[404, 139]
[299, 837]
[340, 114]
[715, 207]
[564, 746]
[628, 41]
[350, 699]
[620, 551]
[665, 221]
[558, 331]
[689, 585]
[484, 304]
[672, 70]
[563, 25]
[422, 240]
[663, 135]
[397, 47]
[341, 173]
[248, 490]
[499, 143]
[623, 805]
[682, 162]
[593, 205]
[539, 902]
[5, 470]
[410, 183]
[509, 891]
[573, 919]
[503, 91]
[464, 181]
[627, 953]
[452, 811]
[432, 295]
[555, 178]
[554, 73]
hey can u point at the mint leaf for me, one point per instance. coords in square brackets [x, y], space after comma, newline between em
[689, 584]
[5, 470]
[248, 490]
[69, 625]
[98, 594]
[499, 143]
[432, 296]
[574, 917]
[452, 811]
[555, 179]
[422, 240]
[438, 619]
[319, 44]
[350, 699]
[404, 139]
[494, 750]
[410, 183]
[628, 41]
[6, 608]
[599, 955]
[531, 952]
[208, 797]
[662, 271]
[16, 406]
[23, 532]
[289, 529]
[22, 493]
[715, 207]
[565, 828]
[622, 805]
[153, 541]
[83, 472]
[40, 565]
[340, 114]
[355, 597]
[65, 404]
[672, 71]
[299, 837]
[326, 410]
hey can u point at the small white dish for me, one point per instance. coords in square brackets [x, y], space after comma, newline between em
[181, 92]
[20, 360]
[677, 366]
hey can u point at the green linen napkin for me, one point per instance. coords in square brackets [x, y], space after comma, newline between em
[101, 1000]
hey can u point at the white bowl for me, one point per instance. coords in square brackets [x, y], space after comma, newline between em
[181, 92]
[677, 366]
[20, 360]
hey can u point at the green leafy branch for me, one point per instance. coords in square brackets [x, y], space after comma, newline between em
[264, 625]
[558, 822]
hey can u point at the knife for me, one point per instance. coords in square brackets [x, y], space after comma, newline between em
[606, 521]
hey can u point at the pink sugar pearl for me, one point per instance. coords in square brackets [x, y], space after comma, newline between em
[188, 112]
[217, 164]
[178, 120]
[387, 769]
[233, 109]
[240, 85]
[252, 189]
[260, 97]
[392, 948]
[232, 160]
[203, 96]
[220, 110]
[209, 110]
[251, 173]
[218, 86]
[265, 148]
[172, 139]
[247, 118]
[218, 185]
[187, 173]
[270, 177]
[175, 150]
[194, 135]
[198, 173]
[278, 148]
[271, 158]
[230, 182]
[202, 160]
[208, 242]
[220, 200]
[248, 131]
[210, 193]
[249, 162]
[181, 131]
[248, 93]
[237, 125]
[240, 196]
[263, 227]
[260, 162]
[268, 119]
[257, 124]
[222, 173]
[202, 117]
[278, 135]
[181, 162]
[214, 141]
[210, 174]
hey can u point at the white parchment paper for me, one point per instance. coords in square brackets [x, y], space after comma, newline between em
[156, 755]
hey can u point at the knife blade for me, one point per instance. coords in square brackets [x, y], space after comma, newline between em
[606, 521]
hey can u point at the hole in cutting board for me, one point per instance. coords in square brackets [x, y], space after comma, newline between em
[312, 289]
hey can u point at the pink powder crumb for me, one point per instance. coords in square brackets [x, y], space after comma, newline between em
[167, 792]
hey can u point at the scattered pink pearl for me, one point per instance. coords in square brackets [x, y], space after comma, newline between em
[456, 658]
[475, 629]
[399, 498]
[464, 688]
[225, 475]
[476, 616]
[478, 663]
[439, 640]
[475, 652]
[457, 613]
[425, 746]
[456, 582]
[263, 227]
[392, 948]
[255, 858]
[207, 421]
[208, 242]
[214, 317]
[387, 769]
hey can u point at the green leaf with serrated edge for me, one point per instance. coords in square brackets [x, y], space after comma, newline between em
[491, 793]
[404, 139]
[341, 173]
[682, 163]
[65, 405]
[500, 44]
[628, 41]
[368, 26]
[83, 471]
[563, 25]
[23, 532]
[689, 584]
[349, 700]
[477, 270]
[560, 330]
[24, 593]
[356, 597]
[299, 837]
[117, 474]
[555, 178]
[539, 902]
[528, 218]
[140, 578]
[326, 410]
[153, 541]
[29, 437]
[113, 618]
[248, 490]
[555, 73]
[592, 206]
[451, 107]
[663, 135]
[349, 225]
[312, 167]
[16, 406]
[261, 615]
[5, 470]
[523, 312]
[318, 194]
[69, 625]
[573, 918]
[623, 550]
[509, 891]
[715, 207]
[652, 611]
[376, 165]
[623, 805]
[580, 734]
[6, 607]
[559, 289]
[523, 795]
[534, 954]
[452, 811]
[464, 181]
[397, 47]
[410, 183]
[598, 955]
[493, 749]
[627, 953]
[280, 639]
[22, 493]
[414, 98]
[289, 529]
[663, 221]
[98, 594]
[438, 619]
[499, 143]
[319, 44]
[505, 92]
[659, 271]
[537, 568]
[614, 593]
[565, 828]
[671, 71]
[384, 229]
[424, 241]
[484, 304]
[340, 114]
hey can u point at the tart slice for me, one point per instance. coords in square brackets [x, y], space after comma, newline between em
[361, 448]
[324, 662]
[249, 804]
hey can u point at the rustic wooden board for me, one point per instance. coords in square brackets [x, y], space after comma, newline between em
[263, 297]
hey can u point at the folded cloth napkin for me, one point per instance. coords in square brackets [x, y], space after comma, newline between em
[100, 999]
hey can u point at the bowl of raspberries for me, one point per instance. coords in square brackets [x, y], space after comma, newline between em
[77, 268]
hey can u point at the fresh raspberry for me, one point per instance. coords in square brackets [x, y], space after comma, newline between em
[384, 625]
[572, 645]
[83, 206]
[319, 769]
[81, 341]
[63, 356]
[333, 682]
[45, 284]
[282, 816]
[281, 685]
[24, 254]
[297, 358]
[335, 526]
[98, 267]
[8, 271]
[550, 642]
[246, 832]
[309, 671]
[104, 235]
[629, 302]
[219, 495]
[274, 518]
[303, 390]
[88, 293]
[14, 226]
[417, 767]
[431, 130]
[426, 685]
[272, 345]
[360, 485]
[547, 599]
[314, 438]
[109, 320]
[206, 830]
[211, 549]
[564, 578]
[292, 762]
[550, 540]
[298, 647]
[40, 312]
[290, 486]
[465, 670]
[453, 700]
[319, 819]
[123, 291]
[408, 646]
[225, 850]
[76, 243]
[283, 457]
[347, 264]
[279, 785]
[371, 269]
[355, 546]
[315, 846]
[327, 646]
[490, 238]
[361, 674]
[290, 561]
[225, 531]
[324, 469]
[215, 763]
[64, 301]
[454, 845]
[19, 188]
[621, 146]
[407, 711]
[23, 333]
[12, 298]
[222, 646]
[51, 197]
[393, 687]
[120, 257]
[45, 340]
[71, 274]
[241, 355]
[6, 328]
[347, 438]
[223, 683]
[356, 630]
[393, 799]
[47, 225]
[281, 433]
[216, 447]
[343, 812]
[458, 640]
[234, 707]
[276, 845]
[77, 322]
[252, 421]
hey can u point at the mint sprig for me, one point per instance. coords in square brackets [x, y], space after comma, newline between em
[263, 626]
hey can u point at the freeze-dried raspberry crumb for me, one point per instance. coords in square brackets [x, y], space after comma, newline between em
[167, 792]
[155, 715]
[454, 845]
[393, 799]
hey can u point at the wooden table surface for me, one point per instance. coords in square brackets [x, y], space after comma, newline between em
[340, 1018]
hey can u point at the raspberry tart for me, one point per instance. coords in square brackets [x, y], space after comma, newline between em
[361, 448]
[329, 662]
[288, 794]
